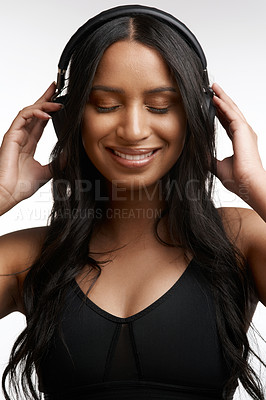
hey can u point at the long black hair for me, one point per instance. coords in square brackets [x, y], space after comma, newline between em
[194, 223]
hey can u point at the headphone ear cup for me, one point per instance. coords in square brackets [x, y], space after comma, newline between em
[59, 117]
[210, 106]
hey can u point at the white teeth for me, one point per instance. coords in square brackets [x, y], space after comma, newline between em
[131, 157]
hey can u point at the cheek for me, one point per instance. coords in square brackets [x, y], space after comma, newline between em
[95, 127]
[89, 135]
[176, 128]
[90, 131]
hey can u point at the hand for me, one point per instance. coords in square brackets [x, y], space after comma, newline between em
[244, 166]
[20, 174]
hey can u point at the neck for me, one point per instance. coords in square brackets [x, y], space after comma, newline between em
[129, 215]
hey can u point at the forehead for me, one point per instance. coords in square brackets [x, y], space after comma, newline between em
[129, 61]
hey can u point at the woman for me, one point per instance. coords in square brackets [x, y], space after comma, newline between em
[139, 287]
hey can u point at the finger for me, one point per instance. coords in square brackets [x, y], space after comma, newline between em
[219, 92]
[47, 94]
[46, 106]
[225, 112]
[26, 115]
[222, 118]
[34, 124]
[35, 127]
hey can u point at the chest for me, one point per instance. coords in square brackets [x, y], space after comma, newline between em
[133, 280]
[174, 341]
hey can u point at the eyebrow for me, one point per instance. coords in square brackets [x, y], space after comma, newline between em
[107, 89]
[161, 89]
[116, 90]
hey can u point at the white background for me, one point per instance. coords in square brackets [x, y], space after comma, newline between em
[32, 37]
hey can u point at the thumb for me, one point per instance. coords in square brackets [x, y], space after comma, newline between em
[46, 174]
[224, 169]
[47, 170]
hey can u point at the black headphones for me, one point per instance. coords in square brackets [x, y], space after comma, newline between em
[117, 12]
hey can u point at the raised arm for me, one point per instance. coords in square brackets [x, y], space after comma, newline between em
[243, 174]
[21, 176]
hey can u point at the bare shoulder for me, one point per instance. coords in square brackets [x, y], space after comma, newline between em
[248, 231]
[18, 251]
[244, 226]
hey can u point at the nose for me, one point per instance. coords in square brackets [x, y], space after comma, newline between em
[133, 126]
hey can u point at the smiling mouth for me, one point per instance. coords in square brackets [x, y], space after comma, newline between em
[131, 156]
[134, 157]
[133, 161]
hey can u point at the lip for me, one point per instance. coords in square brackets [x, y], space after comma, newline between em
[134, 163]
[132, 151]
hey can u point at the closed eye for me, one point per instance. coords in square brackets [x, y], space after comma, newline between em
[152, 109]
[158, 110]
[106, 109]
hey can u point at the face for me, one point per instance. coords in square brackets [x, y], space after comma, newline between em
[134, 108]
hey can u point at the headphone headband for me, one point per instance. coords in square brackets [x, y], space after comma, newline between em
[122, 11]
[60, 117]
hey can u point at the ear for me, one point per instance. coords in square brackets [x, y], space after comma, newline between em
[59, 117]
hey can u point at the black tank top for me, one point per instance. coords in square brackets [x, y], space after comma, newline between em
[169, 350]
